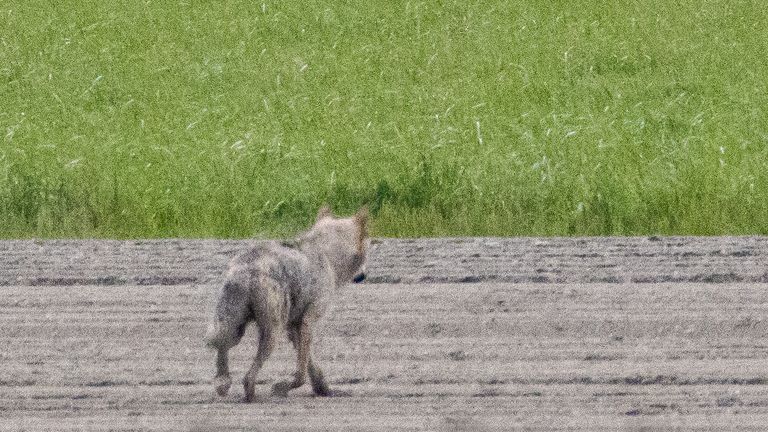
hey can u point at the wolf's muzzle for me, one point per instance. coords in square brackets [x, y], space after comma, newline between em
[359, 278]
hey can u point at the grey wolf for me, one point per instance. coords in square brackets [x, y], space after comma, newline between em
[287, 285]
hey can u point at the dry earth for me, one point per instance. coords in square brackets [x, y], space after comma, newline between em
[447, 334]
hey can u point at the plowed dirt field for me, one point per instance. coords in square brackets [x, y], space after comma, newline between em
[446, 334]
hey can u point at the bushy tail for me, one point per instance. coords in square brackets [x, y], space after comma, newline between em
[229, 319]
[215, 336]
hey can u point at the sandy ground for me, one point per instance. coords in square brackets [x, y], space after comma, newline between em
[447, 334]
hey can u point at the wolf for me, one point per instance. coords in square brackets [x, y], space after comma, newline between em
[287, 285]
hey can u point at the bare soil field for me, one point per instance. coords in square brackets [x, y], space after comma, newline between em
[446, 334]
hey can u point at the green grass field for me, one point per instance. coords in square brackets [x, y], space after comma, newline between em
[238, 118]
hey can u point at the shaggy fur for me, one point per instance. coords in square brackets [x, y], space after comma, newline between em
[287, 285]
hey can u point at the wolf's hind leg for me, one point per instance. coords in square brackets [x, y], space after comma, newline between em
[222, 381]
[230, 318]
[266, 345]
[223, 336]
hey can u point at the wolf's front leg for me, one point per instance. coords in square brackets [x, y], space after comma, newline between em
[319, 386]
[301, 337]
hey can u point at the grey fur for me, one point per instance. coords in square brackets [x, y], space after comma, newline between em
[286, 285]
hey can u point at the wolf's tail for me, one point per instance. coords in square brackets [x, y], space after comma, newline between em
[230, 316]
[215, 336]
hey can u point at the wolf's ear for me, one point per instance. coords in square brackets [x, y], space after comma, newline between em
[361, 219]
[324, 212]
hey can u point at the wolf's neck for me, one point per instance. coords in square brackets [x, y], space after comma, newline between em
[316, 256]
[310, 249]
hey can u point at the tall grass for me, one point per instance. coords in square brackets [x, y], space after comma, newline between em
[239, 118]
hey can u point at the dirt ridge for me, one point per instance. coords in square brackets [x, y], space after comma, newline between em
[442, 260]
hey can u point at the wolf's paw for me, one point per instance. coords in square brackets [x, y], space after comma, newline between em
[332, 393]
[281, 389]
[221, 384]
[320, 388]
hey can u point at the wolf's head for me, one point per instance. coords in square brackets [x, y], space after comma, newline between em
[343, 241]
